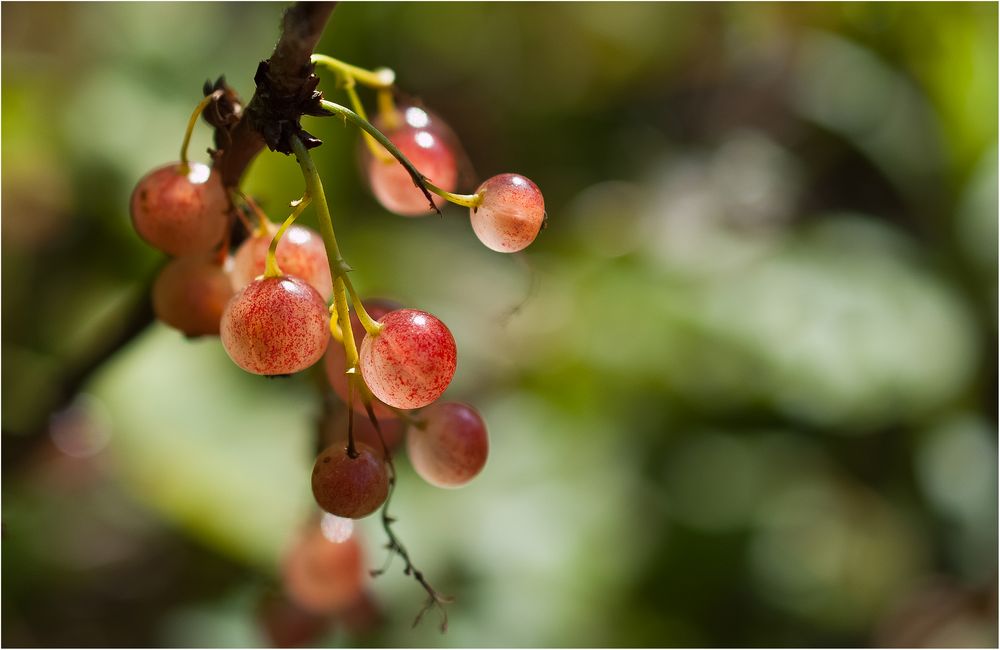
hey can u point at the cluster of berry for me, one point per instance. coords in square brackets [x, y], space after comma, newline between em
[270, 299]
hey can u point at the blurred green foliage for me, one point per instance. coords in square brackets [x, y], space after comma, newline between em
[741, 391]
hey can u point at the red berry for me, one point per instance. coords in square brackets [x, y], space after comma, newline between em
[180, 214]
[430, 153]
[336, 361]
[350, 487]
[511, 214]
[300, 253]
[452, 448]
[190, 294]
[276, 326]
[411, 361]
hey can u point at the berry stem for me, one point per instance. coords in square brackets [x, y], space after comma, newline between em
[338, 267]
[466, 200]
[421, 181]
[208, 99]
[379, 78]
[271, 269]
[387, 109]
[418, 179]
[373, 146]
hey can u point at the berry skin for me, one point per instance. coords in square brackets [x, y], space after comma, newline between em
[511, 214]
[275, 326]
[190, 294]
[452, 448]
[180, 214]
[350, 487]
[391, 183]
[335, 360]
[300, 253]
[323, 576]
[411, 361]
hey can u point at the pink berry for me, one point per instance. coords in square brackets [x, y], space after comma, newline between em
[276, 326]
[393, 186]
[190, 294]
[336, 361]
[180, 214]
[452, 448]
[323, 576]
[300, 253]
[350, 487]
[511, 214]
[411, 361]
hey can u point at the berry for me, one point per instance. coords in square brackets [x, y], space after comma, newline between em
[511, 214]
[180, 214]
[411, 361]
[276, 326]
[336, 361]
[430, 153]
[350, 487]
[452, 448]
[323, 576]
[300, 253]
[190, 294]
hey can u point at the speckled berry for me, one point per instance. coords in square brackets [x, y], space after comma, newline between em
[276, 326]
[511, 214]
[411, 361]
[300, 253]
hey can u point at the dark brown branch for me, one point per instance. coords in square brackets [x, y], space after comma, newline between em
[285, 75]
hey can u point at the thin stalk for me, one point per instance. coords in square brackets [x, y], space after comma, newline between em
[271, 269]
[380, 153]
[421, 181]
[379, 78]
[208, 99]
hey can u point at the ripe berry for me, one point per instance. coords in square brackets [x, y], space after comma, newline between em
[429, 151]
[323, 576]
[411, 361]
[276, 326]
[180, 214]
[335, 360]
[190, 294]
[300, 253]
[452, 448]
[350, 487]
[511, 214]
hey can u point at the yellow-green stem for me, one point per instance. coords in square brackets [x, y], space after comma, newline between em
[338, 267]
[387, 109]
[208, 99]
[373, 146]
[380, 78]
[271, 269]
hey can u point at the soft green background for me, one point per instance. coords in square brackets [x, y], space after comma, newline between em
[741, 391]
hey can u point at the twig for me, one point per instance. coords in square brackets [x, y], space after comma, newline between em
[394, 546]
